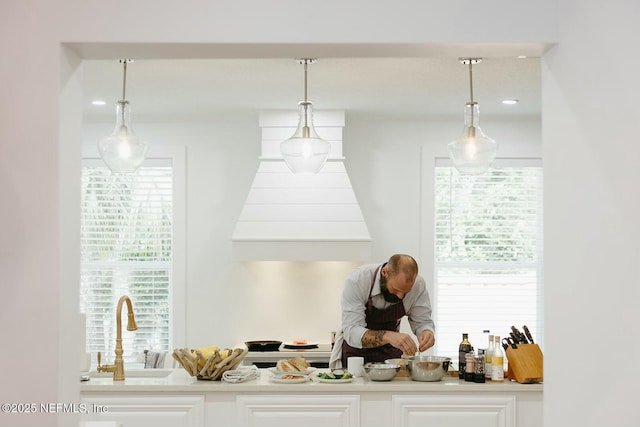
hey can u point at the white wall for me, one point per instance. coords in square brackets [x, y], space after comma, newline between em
[591, 122]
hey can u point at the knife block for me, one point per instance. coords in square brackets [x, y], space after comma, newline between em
[525, 363]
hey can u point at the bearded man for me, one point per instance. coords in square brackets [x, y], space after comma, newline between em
[375, 298]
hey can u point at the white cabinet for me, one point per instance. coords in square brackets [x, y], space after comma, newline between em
[453, 411]
[135, 410]
[182, 401]
[298, 410]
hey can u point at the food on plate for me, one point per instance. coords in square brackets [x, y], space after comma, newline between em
[300, 341]
[284, 366]
[338, 374]
[291, 377]
[297, 364]
[300, 363]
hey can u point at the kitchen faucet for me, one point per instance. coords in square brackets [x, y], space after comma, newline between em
[118, 367]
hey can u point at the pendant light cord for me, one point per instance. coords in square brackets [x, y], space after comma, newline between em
[124, 78]
[306, 64]
[124, 87]
[471, 79]
[471, 103]
[471, 90]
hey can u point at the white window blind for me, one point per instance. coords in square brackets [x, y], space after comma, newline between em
[488, 237]
[126, 249]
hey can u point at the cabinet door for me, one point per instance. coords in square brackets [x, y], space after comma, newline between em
[146, 411]
[454, 411]
[298, 410]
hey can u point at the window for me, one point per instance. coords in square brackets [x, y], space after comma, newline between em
[127, 248]
[488, 266]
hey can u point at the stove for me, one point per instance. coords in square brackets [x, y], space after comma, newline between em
[317, 357]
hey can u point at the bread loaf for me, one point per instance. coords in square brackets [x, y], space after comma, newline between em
[297, 364]
[300, 363]
[284, 366]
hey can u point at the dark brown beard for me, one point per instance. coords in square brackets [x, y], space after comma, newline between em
[388, 296]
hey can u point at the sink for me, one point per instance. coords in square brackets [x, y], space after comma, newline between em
[135, 373]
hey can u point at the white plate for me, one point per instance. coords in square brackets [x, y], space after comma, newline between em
[309, 370]
[329, 381]
[280, 380]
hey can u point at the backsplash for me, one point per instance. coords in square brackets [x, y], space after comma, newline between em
[288, 300]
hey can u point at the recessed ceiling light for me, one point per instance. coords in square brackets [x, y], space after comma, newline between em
[522, 56]
[98, 102]
[509, 101]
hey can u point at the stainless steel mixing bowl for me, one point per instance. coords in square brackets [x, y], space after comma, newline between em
[427, 368]
[378, 371]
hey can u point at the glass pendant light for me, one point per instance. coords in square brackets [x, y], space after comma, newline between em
[123, 151]
[473, 152]
[305, 151]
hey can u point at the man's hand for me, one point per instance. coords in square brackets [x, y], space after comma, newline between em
[426, 340]
[404, 342]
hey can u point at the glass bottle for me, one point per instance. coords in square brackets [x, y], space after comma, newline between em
[479, 377]
[497, 361]
[485, 337]
[464, 348]
[487, 358]
[469, 366]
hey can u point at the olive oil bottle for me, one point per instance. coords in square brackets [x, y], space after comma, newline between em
[464, 348]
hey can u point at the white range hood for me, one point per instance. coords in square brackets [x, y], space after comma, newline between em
[289, 217]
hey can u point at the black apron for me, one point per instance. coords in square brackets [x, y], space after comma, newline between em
[378, 320]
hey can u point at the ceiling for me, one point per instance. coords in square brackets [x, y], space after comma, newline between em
[412, 87]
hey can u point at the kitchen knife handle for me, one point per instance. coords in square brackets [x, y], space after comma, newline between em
[514, 338]
[505, 343]
[519, 335]
[528, 334]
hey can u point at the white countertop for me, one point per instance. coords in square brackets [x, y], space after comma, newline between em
[99, 424]
[179, 381]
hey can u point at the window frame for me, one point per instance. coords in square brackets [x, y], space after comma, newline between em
[177, 294]
[539, 266]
